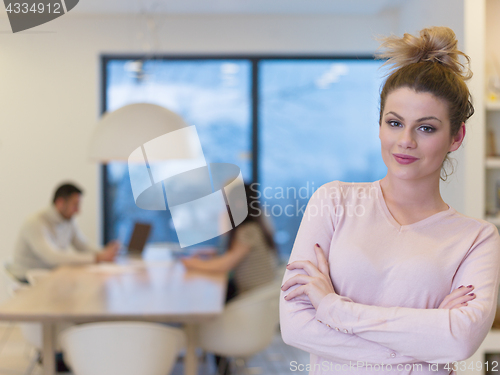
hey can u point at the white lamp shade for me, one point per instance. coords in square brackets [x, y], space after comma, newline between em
[120, 132]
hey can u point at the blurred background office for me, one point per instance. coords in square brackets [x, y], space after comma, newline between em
[59, 77]
[271, 86]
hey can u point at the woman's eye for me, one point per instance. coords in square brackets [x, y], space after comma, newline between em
[393, 123]
[427, 129]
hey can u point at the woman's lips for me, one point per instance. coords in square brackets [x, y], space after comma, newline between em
[404, 159]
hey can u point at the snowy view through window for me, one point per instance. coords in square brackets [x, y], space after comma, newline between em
[317, 122]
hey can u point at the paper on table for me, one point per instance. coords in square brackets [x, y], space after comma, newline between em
[112, 268]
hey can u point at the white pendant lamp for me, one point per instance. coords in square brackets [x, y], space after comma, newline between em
[122, 131]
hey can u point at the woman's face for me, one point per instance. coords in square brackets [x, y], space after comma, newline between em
[415, 134]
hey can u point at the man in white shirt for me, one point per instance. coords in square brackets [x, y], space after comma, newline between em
[52, 238]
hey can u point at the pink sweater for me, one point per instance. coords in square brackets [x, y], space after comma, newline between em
[390, 280]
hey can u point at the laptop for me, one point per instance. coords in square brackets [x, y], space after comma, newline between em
[138, 239]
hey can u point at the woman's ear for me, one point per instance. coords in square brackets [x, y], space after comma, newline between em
[458, 138]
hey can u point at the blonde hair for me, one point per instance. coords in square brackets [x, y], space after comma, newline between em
[436, 44]
[429, 63]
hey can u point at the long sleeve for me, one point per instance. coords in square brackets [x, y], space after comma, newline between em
[37, 236]
[79, 241]
[299, 325]
[431, 335]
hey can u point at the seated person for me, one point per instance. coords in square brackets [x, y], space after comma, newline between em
[49, 238]
[251, 253]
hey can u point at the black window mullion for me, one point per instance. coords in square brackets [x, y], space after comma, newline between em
[104, 171]
[255, 120]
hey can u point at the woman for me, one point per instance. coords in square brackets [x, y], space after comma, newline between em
[385, 277]
[251, 253]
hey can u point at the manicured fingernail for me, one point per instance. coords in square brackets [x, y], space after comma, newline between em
[464, 303]
[317, 245]
[469, 286]
[472, 295]
[461, 286]
[285, 296]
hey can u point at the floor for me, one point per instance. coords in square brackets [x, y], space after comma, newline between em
[15, 355]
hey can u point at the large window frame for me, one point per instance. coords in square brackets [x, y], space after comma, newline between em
[254, 61]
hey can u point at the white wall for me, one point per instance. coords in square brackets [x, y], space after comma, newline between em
[50, 99]
[417, 14]
[492, 40]
[492, 69]
[475, 35]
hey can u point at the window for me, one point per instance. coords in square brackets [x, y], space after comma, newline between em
[290, 124]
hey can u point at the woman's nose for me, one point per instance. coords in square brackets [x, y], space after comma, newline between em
[406, 139]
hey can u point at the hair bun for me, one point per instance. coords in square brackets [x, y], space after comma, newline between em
[435, 44]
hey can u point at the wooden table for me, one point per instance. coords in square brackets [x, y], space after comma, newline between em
[154, 291]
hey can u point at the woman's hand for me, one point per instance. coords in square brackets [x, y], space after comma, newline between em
[316, 284]
[458, 298]
[192, 263]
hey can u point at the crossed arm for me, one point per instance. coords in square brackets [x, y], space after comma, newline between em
[312, 310]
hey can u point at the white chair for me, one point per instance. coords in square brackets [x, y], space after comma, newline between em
[122, 348]
[13, 285]
[32, 332]
[11, 281]
[247, 325]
